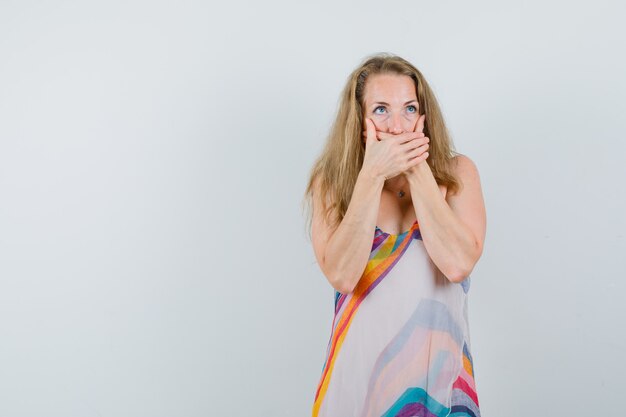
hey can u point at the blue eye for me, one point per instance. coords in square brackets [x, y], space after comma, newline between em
[379, 107]
[414, 108]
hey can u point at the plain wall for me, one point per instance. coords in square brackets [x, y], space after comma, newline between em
[153, 156]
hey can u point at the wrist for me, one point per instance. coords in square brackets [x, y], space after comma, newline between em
[419, 174]
[371, 178]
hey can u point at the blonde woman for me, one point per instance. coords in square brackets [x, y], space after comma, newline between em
[398, 225]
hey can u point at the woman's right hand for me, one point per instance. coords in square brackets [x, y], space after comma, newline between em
[390, 157]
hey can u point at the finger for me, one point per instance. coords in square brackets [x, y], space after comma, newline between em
[418, 150]
[419, 127]
[406, 136]
[418, 154]
[370, 134]
[364, 134]
[384, 135]
[417, 159]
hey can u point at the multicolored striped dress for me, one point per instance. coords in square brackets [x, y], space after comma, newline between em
[399, 343]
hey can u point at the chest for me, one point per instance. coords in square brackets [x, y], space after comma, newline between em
[397, 214]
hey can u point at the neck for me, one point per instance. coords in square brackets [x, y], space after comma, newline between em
[399, 186]
[397, 183]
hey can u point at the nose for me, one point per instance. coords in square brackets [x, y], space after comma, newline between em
[395, 124]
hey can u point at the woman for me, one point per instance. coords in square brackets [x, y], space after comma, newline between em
[398, 225]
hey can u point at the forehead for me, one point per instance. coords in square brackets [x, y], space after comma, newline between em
[390, 88]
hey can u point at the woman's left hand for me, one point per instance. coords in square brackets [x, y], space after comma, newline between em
[418, 150]
[419, 168]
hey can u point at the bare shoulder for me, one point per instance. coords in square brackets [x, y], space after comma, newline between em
[465, 168]
[468, 203]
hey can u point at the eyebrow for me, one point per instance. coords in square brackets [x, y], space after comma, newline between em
[386, 104]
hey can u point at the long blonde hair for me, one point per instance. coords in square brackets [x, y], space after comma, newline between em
[339, 164]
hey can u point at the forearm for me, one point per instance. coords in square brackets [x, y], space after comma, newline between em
[449, 242]
[348, 250]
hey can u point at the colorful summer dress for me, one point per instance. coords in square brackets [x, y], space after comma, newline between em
[399, 343]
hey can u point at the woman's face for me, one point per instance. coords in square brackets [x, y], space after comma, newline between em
[390, 101]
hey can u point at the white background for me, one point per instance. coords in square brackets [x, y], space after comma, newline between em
[153, 253]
